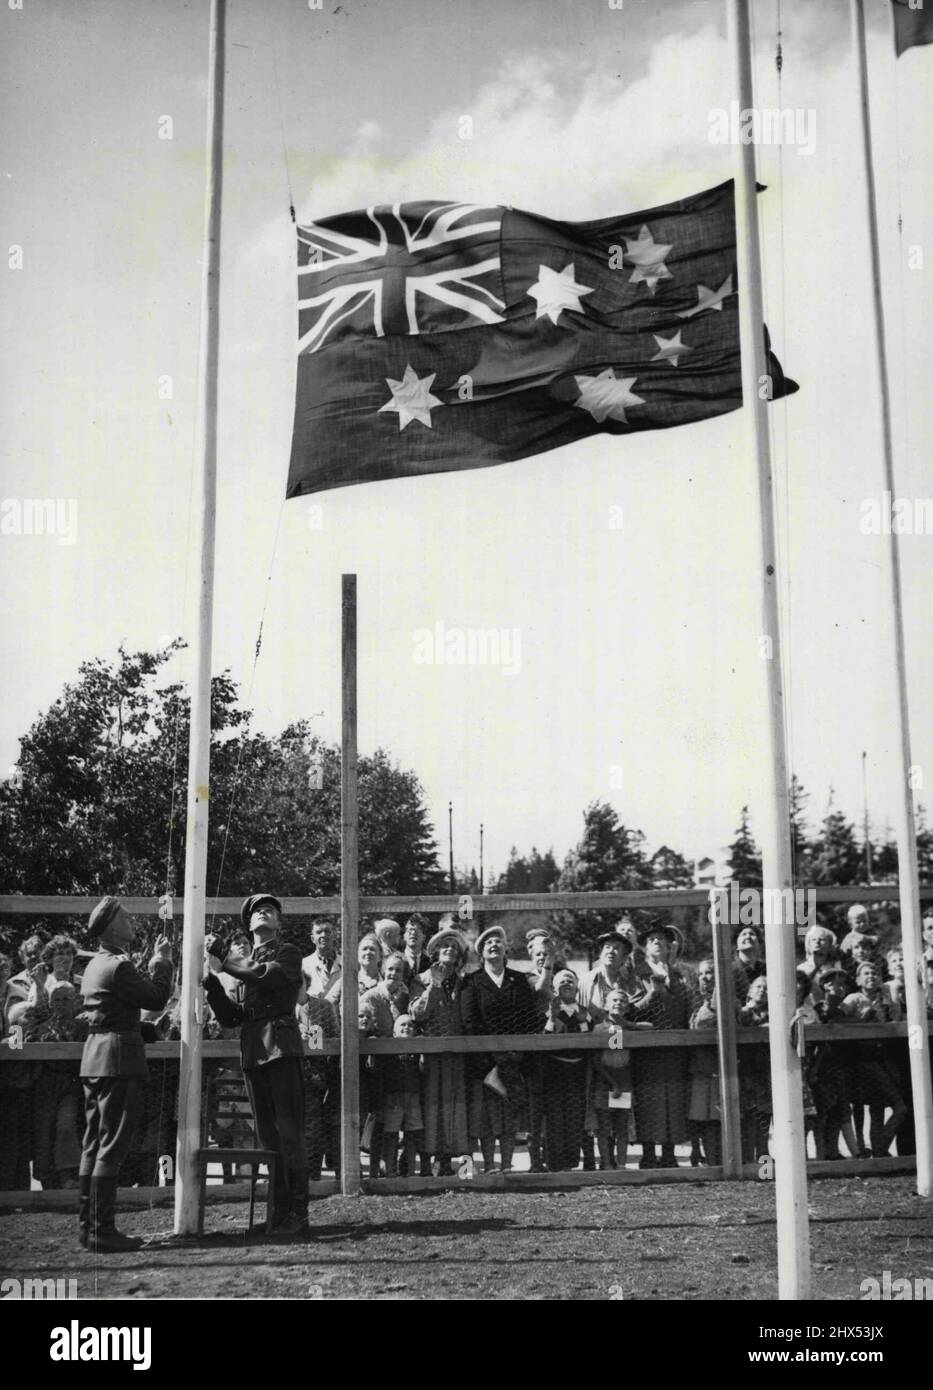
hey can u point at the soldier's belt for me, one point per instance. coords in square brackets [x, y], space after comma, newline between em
[261, 1013]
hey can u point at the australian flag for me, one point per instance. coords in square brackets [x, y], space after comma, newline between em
[438, 336]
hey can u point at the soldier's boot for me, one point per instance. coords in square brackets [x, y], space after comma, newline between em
[103, 1236]
[84, 1208]
[298, 1184]
[279, 1219]
[424, 1164]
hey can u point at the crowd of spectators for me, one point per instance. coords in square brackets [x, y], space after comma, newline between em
[426, 1113]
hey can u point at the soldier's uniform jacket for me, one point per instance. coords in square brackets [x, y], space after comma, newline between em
[115, 993]
[263, 1001]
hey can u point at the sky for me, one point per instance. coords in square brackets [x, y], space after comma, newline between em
[625, 565]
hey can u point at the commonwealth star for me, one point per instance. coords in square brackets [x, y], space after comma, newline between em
[708, 299]
[411, 398]
[670, 349]
[647, 256]
[554, 292]
[606, 396]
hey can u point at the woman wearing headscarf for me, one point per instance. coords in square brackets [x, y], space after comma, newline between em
[438, 1014]
[659, 1075]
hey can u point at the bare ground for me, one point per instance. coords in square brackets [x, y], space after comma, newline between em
[690, 1241]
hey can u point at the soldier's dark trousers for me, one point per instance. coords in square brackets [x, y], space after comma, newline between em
[111, 1115]
[277, 1095]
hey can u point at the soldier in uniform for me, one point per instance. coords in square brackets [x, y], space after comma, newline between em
[113, 1065]
[263, 999]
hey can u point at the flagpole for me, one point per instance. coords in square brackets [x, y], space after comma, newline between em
[905, 827]
[187, 1186]
[349, 906]
[790, 1172]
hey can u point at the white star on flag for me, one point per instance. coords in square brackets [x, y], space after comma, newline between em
[708, 299]
[607, 395]
[553, 292]
[670, 349]
[647, 256]
[411, 398]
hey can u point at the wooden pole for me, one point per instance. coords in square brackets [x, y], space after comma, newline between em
[728, 1051]
[199, 744]
[780, 937]
[904, 824]
[349, 904]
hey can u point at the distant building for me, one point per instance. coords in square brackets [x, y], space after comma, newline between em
[713, 872]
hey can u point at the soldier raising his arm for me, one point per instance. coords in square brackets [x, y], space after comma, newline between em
[113, 1064]
[262, 1000]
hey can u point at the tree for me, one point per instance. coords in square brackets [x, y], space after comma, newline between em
[535, 874]
[836, 857]
[799, 847]
[102, 804]
[607, 856]
[744, 855]
[670, 869]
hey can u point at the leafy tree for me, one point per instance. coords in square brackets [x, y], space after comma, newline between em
[102, 805]
[744, 855]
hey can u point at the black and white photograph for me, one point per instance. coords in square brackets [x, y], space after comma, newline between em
[466, 766]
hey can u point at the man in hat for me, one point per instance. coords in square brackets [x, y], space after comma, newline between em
[263, 1002]
[113, 1065]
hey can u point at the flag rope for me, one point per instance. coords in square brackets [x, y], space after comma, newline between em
[249, 709]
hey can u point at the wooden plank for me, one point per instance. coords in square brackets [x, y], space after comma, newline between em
[349, 899]
[527, 1042]
[52, 905]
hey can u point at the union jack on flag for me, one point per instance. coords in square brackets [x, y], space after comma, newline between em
[409, 268]
[440, 335]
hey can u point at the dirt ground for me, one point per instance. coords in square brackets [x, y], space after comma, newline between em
[692, 1241]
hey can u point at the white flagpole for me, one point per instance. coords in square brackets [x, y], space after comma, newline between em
[905, 827]
[189, 1097]
[790, 1171]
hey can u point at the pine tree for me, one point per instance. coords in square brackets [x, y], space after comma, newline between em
[744, 855]
[837, 858]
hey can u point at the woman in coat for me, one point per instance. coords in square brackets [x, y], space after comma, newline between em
[659, 1075]
[437, 1013]
[497, 1001]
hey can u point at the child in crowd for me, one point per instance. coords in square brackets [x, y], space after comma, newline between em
[704, 1103]
[564, 1077]
[755, 1075]
[402, 1113]
[612, 1087]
